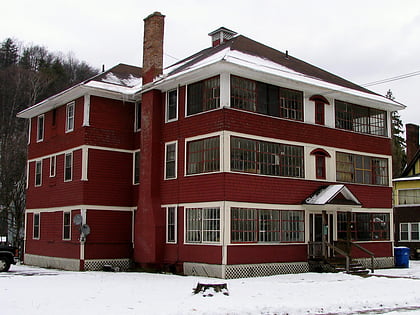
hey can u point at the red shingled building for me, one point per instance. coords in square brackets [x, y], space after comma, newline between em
[239, 160]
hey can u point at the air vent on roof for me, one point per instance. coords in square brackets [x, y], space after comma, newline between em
[221, 35]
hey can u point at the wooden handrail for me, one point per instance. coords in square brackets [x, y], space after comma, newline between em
[372, 255]
[341, 252]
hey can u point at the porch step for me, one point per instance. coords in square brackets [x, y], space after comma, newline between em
[354, 268]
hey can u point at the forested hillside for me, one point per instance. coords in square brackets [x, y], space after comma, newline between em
[28, 74]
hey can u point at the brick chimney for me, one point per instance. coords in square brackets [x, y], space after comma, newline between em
[153, 46]
[412, 140]
[221, 35]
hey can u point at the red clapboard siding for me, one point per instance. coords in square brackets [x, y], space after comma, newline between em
[51, 241]
[110, 179]
[110, 235]
[249, 254]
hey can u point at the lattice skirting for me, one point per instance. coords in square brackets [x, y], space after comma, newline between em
[378, 263]
[244, 271]
[98, 264]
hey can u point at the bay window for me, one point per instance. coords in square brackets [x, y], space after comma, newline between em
[203, 96]
[203, 155]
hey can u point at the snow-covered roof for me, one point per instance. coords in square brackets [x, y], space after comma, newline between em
[246, 53]
[119, 82]
[327, 194]
[407, 178]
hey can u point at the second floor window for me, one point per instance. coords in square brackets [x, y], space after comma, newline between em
[136, 167]
[267, 158]
[266, 99]
[360, 118]
[38, 173]
[203, 96]
[40, 129]
[53, 164]
[171, 105]
[170, 160]
[361, 169]
[203, 156]
[409, 197]
[70, 117]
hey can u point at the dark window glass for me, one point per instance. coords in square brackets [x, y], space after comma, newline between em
[203, 96]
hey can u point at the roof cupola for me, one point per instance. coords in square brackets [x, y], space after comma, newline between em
[221, 35]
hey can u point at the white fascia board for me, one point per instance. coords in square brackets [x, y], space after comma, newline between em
[406, 179]
[71, 94]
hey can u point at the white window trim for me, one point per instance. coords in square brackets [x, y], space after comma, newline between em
[221, 231]
[36, 163]
[39, 226]
[134, 167]
[137, 108]
[167, 105]
[409, 232]
[175, 224]
[53, 161]
[200, 137]
[64, 213]
[29, 130]
[71, 161]
[38, 138]
[176, 159]
[70, 105]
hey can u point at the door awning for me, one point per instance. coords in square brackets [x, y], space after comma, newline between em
[332, 194]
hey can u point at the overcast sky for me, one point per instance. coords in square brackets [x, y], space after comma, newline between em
[362, 41]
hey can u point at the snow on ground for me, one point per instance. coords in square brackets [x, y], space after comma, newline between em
[31, 290]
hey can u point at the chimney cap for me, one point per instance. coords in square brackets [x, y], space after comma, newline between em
[221, 35]
[156, 13]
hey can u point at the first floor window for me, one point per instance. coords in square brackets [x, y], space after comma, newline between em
[203, 225]
[268, 158]
[68, 166]
[410, 232]
[171, 224]
[38, 173]
[170, 160]
[36, 230]
[363, 226]
[249, 225]
[361, 169]
[66, 225]
[203, 155]
[136, 167]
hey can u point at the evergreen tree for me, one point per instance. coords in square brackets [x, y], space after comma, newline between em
[398, 142]
[9, 53]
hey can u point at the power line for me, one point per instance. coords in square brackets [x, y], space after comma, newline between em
[399, 77]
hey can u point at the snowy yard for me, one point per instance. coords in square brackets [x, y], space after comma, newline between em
[30, 290]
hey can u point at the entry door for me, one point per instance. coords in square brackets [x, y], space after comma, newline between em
[321, 224]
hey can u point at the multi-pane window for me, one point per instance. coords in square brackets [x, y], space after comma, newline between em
[36, 230]
[172, 105]
[202, 225]
[70, 117]
[364, 226]
[360, 118]
[66, 225]
[410, 232]
[40, 129]
[136, 167]
[409, 197]
[266, 98]
[319, 113]
[170, 160]
[68, 166]
[203, 96]
[171, 224]
[353, 168]
[249, 225]
[268, 158]
[38, 173]
[53, 165]
[137, 116]
[320, 166]
[203, 155]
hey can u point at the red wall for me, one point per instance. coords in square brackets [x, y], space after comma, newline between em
[110, 234]
[51, 241]
[254, 254]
